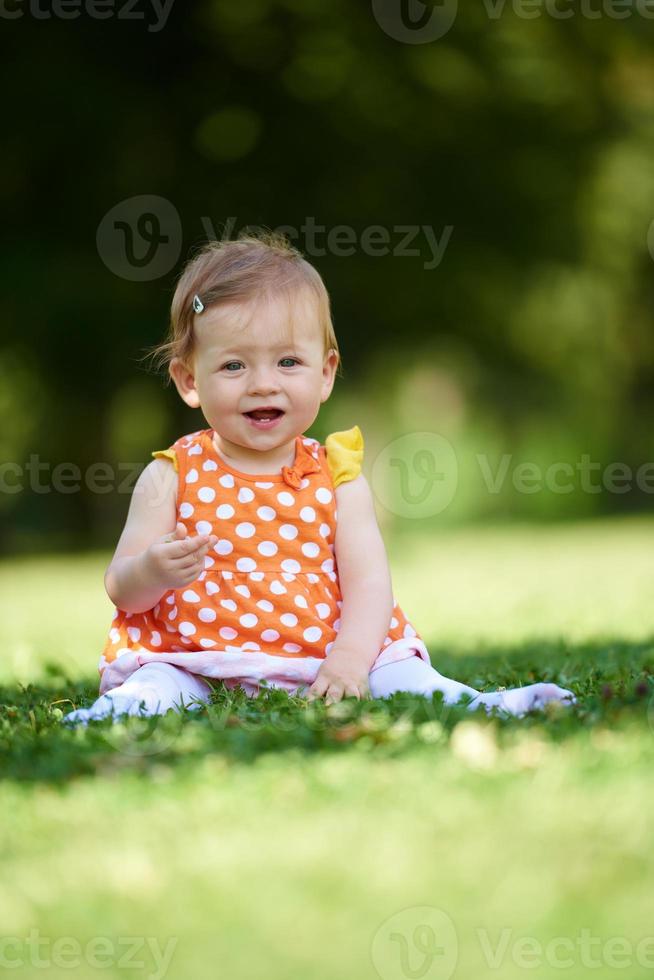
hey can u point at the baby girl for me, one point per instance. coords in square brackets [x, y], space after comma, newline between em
[251, 553]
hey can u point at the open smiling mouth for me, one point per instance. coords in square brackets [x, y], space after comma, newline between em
[264, 417]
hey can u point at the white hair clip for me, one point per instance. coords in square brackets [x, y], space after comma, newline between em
[198, 305]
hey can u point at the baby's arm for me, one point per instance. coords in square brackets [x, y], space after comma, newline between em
[366, 589]
[154, 553]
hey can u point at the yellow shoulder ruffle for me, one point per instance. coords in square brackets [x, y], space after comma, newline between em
[344, 454]
[167, 454]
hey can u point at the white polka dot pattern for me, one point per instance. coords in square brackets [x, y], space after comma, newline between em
[270, 583]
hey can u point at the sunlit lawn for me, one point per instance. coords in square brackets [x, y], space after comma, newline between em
[395, 840]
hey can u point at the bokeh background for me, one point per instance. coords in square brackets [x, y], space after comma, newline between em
[479, 205]
[474, 181]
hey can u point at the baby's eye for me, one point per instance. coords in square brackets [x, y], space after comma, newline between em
[236, 364]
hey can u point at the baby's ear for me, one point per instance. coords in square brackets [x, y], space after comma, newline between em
[329, 367]
[184, 380]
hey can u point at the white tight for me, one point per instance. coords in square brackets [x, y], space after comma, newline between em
[418, 677]
[161, 686]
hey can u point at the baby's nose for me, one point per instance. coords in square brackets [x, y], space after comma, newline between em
[263, 381]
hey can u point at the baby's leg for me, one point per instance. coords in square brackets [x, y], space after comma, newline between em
[151, 690]
[417, 677]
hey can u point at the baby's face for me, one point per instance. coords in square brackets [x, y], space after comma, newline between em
[265, 355]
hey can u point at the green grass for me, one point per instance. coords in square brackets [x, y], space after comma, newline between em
[269, 838]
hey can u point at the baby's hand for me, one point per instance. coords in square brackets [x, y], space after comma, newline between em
[340, 675]
[176, 559]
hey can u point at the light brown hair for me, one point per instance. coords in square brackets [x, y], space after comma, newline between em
[251, 267]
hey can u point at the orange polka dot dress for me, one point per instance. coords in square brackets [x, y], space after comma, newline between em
[266, 607]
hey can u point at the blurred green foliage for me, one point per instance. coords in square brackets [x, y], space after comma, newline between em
[531, 139]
